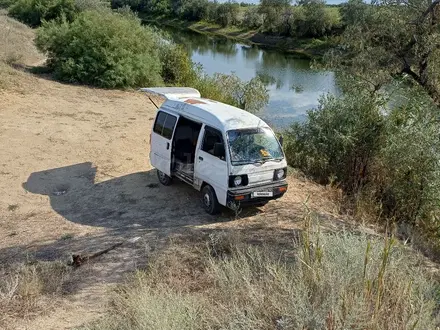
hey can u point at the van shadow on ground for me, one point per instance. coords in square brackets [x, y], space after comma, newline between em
[130, 206]
[134, 200]
[134, 205]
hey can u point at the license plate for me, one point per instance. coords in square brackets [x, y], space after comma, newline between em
[262, 194]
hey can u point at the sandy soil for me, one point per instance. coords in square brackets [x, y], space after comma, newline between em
[75, 178]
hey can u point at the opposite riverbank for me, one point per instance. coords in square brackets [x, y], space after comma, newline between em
[309, 48]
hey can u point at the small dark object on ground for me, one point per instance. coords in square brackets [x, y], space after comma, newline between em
[78, 260]
[12, 207]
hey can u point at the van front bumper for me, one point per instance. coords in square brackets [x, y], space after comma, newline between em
[247, 195]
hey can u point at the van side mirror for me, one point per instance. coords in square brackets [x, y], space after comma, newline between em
[281, 139]
[219, 150]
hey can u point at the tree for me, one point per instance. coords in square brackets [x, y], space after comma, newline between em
[272, 11]
[252, 18]
[228, 14]
[316, 20]
[354, 11]
[394, 38]
[195, 10]
[133, 4]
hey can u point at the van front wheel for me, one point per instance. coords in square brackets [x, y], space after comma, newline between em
[163, 178]
[209, 200]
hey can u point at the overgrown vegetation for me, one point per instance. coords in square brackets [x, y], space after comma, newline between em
[103, 49]
[386, 159]
[323, 282]
[34, 12]
[112, 49]
[308, 18]
[391, 39]
[381, 148]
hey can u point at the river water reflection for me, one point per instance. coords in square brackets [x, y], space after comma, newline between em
[293, 86]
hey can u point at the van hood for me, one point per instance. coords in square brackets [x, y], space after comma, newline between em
[258, 173]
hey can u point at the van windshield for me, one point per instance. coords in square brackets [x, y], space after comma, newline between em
[255, 145]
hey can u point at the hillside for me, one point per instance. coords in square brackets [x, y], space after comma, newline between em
[75, 178]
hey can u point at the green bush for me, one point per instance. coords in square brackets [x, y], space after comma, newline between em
[177, 67]
[387, 160]
[102, 48]
[108, 49]
[6, 3]
[408, 164]
[249, 95]
[34, 12]
[338, 140]
[209, 88]
[83, 5]
[133, 4]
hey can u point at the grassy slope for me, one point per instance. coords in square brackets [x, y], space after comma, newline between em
[17, 50]
[340, 283]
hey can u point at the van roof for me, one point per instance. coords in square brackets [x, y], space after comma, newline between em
[187, 101]
[213, 113]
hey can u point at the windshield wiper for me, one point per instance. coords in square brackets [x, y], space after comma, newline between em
[256, 161]
[264, 160]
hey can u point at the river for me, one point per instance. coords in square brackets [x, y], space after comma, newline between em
[293, 86]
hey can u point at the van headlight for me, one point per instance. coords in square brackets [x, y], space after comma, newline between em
[238, 180]
[279, 174]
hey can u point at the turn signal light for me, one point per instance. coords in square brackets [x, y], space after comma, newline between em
[239, 198]
[282, 189]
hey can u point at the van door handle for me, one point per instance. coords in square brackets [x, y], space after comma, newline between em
[200, 158]
[168, 145]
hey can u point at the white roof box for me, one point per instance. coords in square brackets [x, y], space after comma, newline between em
[172, 93]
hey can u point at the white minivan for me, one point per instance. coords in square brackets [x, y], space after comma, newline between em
[229, 154]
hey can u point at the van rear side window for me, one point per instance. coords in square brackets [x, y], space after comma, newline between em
[164, 124]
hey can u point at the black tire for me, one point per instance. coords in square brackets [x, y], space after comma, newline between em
[164, 179]
[209, 200]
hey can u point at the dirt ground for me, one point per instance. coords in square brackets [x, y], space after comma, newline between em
[75, 178]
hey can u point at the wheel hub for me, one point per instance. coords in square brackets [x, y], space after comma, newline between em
[207, 200]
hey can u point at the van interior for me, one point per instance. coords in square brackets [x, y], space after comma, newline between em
[184, 148]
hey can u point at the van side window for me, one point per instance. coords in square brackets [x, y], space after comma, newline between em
[164, 124]
[210, 139]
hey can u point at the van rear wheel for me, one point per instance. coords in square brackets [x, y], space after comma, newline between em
[163, 178]
[209, 200]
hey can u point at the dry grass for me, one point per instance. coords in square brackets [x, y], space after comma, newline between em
[27, 290]
[323, 282]
[17, 50]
